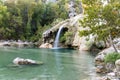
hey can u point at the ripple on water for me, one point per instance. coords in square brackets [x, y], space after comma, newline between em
[2, 69]
[44, 77]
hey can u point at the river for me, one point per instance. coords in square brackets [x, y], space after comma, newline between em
[62, 64]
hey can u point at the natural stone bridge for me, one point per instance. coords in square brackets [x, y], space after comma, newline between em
[68, 23]
[71, 27]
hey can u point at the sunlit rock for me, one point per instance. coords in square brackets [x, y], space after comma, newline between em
[110, 67]
[100, 44]
[46, 45]
[18, 60]
[101, 69]
[117, 64]
[99, 60]
[21, 61]
[105, 78]
[85, 43]
[77, 40]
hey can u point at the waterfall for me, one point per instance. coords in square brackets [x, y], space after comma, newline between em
[57, 37]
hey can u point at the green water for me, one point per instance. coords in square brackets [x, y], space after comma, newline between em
[63, 64]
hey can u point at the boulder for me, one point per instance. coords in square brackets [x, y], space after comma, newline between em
[100, 44]
[46, 45]
[107, 51]
[101, 69]
[110, 67]
[21, 61]
[99, 60]
[76, 41]
[85, 43]
[105, 78]
[117, 64]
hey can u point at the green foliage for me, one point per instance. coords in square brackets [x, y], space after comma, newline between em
[101, 20]
[4, 16]
[3, 13]
[112, 57]
[27, 19]
[68, 34]
[84, 32]
[65, 36]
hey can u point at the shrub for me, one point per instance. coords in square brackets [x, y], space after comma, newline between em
[65, 36]
[112, 57]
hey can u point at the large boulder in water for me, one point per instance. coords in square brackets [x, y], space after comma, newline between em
[21, 61]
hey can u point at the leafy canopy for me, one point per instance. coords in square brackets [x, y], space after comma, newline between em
[27, 19]
[102, 20]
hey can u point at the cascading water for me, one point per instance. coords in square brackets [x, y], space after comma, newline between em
[57, 37]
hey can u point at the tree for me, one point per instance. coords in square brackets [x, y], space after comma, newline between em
[102, 20]
[27, 19]
[4, 16]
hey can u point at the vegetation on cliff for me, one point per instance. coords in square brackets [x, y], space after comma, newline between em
[112, 57]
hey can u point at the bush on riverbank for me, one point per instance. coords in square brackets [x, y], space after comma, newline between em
[112, 57]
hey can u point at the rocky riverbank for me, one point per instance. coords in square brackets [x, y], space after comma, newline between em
[110, 70]
[19, 43]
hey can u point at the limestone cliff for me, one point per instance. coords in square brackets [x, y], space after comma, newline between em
[70, 33]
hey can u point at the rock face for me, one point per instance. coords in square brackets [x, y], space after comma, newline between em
[99, 61]
[46, 45]
[49, 1]
[76, 41]
[100, 44]
[71, 26]
[86, 44]
[117, 64]
[72, 11]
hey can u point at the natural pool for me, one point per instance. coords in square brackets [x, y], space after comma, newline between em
[61, 64]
